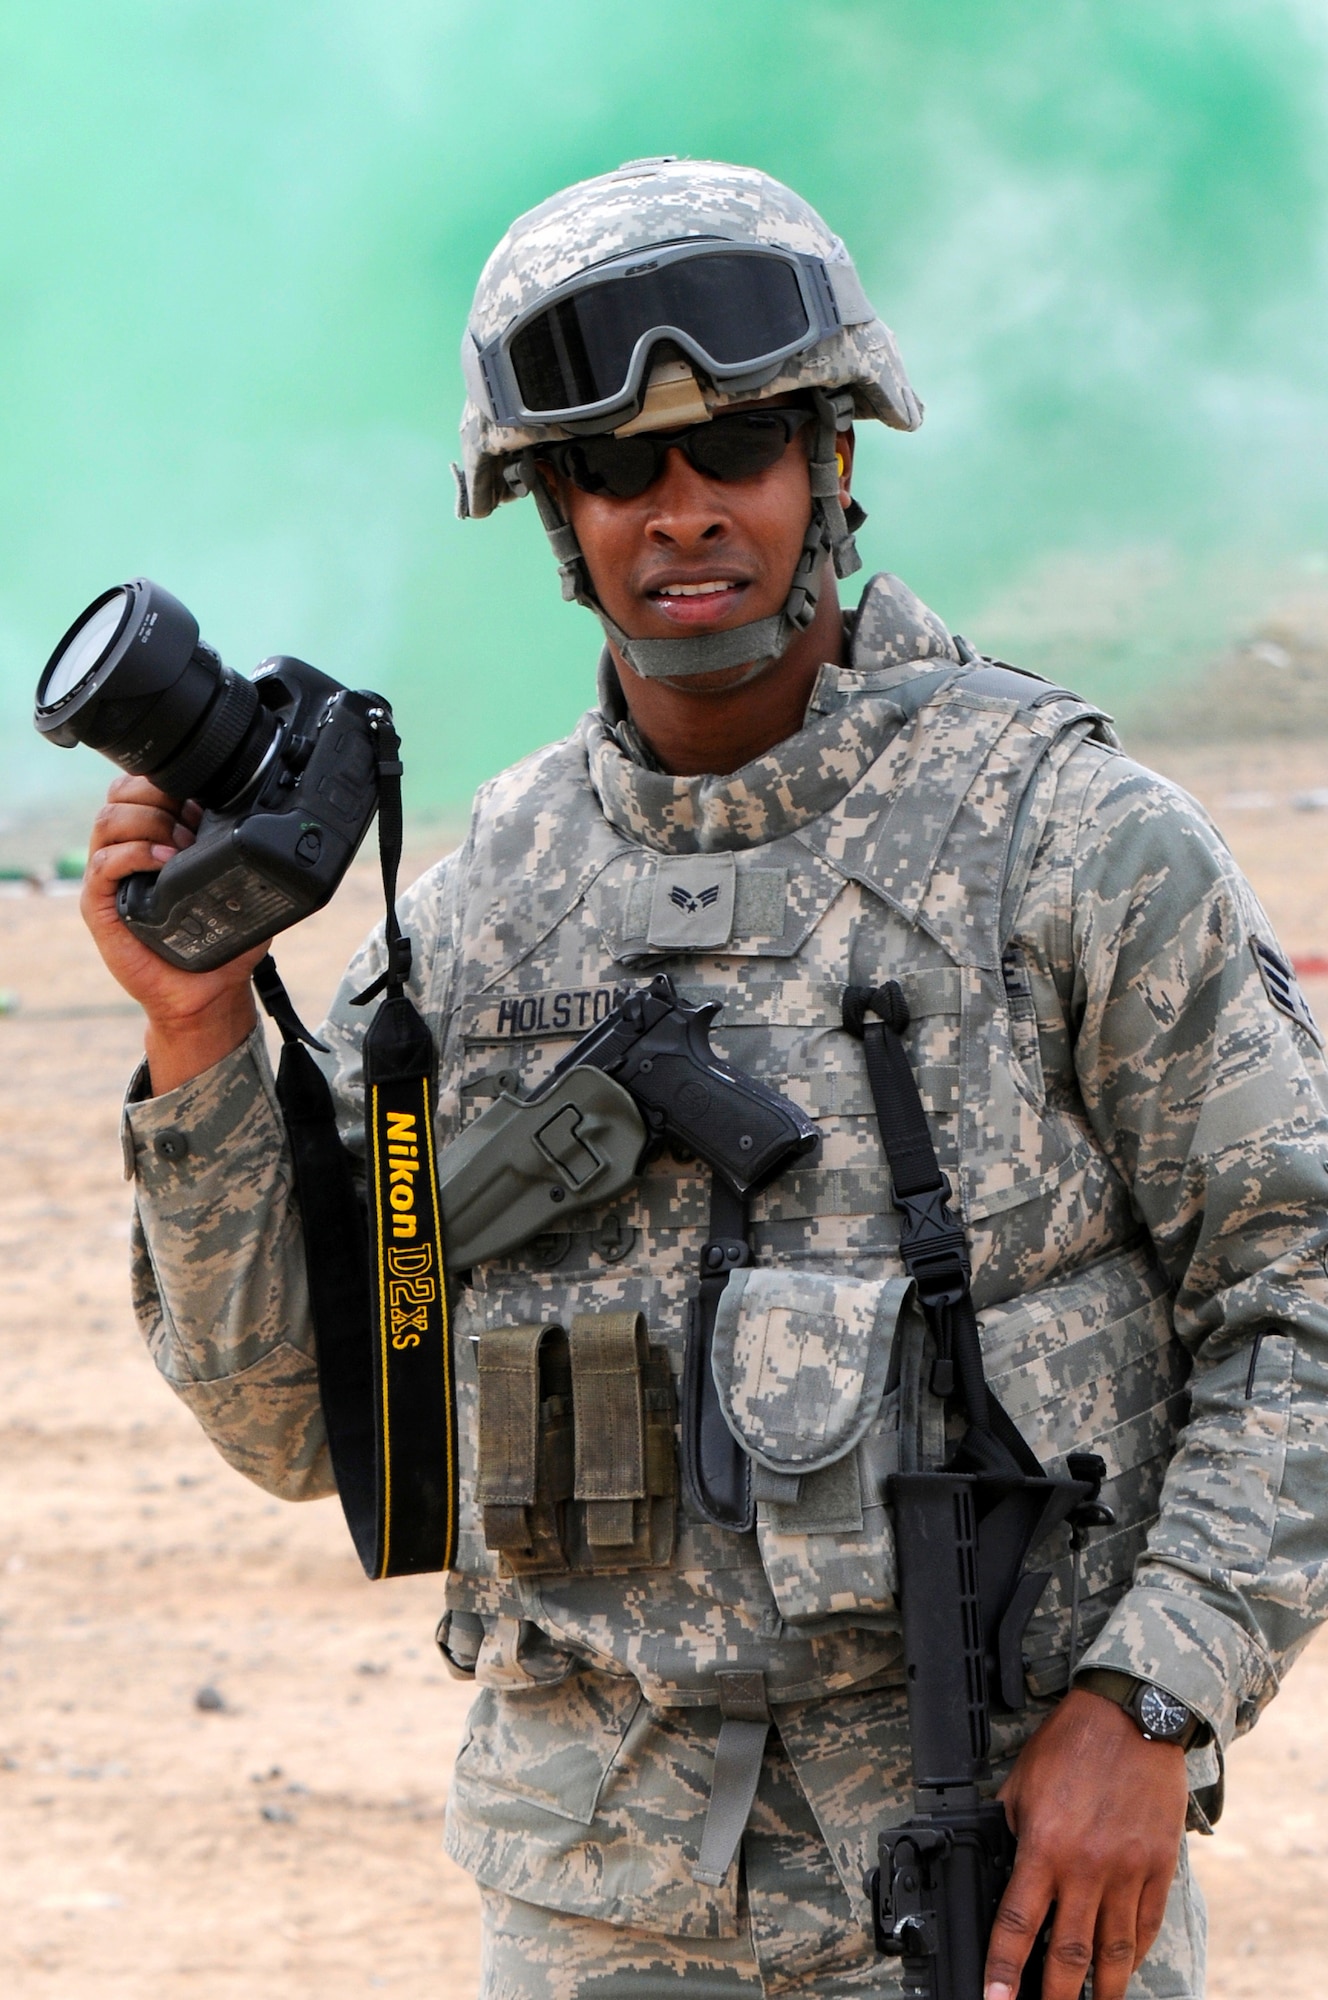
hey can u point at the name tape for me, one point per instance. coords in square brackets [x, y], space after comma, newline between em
[560, 1010]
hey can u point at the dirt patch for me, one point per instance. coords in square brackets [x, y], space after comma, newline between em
[1273, 683]
[280, 1834]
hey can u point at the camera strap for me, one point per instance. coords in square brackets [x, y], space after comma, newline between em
[386, 1370]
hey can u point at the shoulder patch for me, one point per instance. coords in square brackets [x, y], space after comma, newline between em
[1283, 988]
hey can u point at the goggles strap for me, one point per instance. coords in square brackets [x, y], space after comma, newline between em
[829, 532]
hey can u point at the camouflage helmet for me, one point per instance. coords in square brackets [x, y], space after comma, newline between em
[666, 201]
[739, 262]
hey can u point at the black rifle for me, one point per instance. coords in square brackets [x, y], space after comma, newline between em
[962, 1535]
[961, 1540]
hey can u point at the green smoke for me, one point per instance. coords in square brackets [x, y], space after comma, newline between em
[238, 243]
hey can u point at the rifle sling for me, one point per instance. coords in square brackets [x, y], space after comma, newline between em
[932, 1242]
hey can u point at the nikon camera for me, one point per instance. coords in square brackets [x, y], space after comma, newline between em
[284, 765]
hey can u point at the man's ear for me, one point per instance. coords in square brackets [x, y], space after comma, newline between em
[844, 444]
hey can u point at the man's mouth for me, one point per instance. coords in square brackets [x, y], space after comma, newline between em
[699, 603]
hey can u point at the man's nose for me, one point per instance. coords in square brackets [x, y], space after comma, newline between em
[687, 509]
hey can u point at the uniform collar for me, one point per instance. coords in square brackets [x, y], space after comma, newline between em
[853, 713]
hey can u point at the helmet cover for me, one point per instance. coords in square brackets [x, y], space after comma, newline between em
[641, 205]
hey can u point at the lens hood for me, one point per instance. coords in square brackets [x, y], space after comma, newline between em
[133, 679]
[150, 652]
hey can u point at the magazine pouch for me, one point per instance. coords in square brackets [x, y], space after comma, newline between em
[577, 1470]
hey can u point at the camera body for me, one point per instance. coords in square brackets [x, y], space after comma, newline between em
[281, 855]
[285, 767]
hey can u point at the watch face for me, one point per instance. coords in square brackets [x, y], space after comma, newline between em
[1161, 1714]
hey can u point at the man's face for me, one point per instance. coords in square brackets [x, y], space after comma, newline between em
[695, 554]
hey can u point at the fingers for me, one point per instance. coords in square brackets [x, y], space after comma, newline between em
[125, 820]
[1152, 1911]
[135, 791]
[106, 869]
[107, 866]
[129, 791]
[141, 829]
[1089, 1929]
[1112, 1936]
[1116, 1947]
[1084, 1935]
[1111, 1933]
[1022, 1913]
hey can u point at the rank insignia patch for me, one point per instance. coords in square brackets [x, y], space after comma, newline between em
[1283, 989]
[692, 902]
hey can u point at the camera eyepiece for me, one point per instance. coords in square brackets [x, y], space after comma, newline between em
[133, 679]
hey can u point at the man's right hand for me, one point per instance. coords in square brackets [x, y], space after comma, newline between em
[194, 1018]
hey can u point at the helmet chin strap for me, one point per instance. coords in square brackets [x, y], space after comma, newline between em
[760, 643]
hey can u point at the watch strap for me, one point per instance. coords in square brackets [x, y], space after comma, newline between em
[1125, 1690]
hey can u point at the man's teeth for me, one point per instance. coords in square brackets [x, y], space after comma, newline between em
[694, 589]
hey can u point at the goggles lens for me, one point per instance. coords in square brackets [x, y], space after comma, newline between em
[727, 448]
[738, 310]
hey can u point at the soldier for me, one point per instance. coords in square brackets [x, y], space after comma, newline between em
[771, 799]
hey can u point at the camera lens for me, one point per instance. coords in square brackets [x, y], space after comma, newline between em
[91, 639]
[132, 678]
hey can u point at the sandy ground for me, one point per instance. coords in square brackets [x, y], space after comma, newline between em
[281, 1836]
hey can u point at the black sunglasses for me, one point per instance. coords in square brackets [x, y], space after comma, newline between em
[736, 446]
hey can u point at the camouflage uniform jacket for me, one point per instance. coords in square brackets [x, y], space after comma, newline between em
[1121, 1086]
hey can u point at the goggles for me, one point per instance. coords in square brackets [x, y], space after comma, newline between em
[738, 310]
[728, 448]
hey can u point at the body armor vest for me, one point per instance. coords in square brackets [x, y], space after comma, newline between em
[914, 874]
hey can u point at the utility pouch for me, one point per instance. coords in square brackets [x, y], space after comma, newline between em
[524, 1478]
[577, 1465]
[626, 1481]
[801, 1361]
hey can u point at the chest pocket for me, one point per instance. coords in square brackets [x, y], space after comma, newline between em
[801, 1361]
[1014, 1146]
[996, 1135]
[509, 1033]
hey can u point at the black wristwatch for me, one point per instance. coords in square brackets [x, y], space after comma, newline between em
[1161, 1717]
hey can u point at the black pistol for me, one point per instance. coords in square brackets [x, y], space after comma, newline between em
[658, 1047]
[645, 1075]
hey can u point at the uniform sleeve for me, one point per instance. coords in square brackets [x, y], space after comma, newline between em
[1203, 1077]
[219, 1281]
